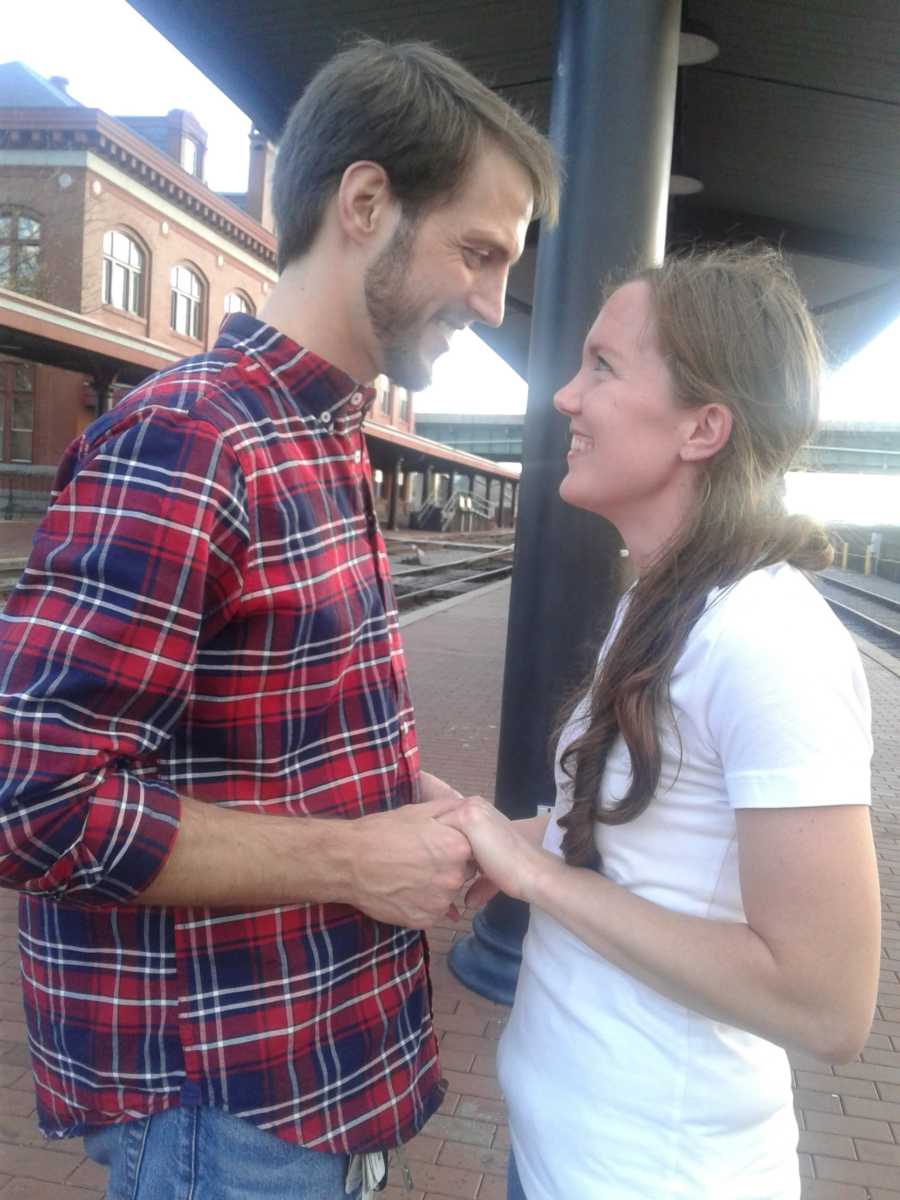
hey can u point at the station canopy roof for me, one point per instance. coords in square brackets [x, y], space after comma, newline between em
[793, 128]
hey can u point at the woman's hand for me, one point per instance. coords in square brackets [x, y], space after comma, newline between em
[508, 852]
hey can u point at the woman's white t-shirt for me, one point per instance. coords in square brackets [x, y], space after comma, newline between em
[614, 1091]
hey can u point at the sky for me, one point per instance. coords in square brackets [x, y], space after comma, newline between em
[471, 377]
[117, 61]
[867, 387]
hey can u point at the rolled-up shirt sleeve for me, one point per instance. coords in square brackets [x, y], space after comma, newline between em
[138, 561]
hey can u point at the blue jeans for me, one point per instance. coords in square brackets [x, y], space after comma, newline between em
[207, 1154]
[513, 1182]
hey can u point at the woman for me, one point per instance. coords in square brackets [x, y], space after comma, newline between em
[705, 892]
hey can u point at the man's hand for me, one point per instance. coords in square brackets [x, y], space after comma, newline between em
[406, 865]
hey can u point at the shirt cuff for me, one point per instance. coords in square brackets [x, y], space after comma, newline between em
[128, 832]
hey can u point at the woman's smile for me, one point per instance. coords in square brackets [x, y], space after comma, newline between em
[580, 445]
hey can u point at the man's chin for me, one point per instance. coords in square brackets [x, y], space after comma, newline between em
[411, 373]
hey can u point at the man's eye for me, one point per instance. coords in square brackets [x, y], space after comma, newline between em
[600, 363]
[473, 257]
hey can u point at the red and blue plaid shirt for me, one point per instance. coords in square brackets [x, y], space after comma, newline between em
[208, 611]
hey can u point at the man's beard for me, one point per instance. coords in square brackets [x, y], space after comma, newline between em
[395, 313]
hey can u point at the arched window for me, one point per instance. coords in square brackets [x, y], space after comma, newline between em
[238, 302]
[123, 272]
[20, 251]
[188, 294]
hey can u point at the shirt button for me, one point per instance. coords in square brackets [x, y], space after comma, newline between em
[357, 456]
[326, 418]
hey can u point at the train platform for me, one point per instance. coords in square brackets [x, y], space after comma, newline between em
[849, 1115]
[884, 588]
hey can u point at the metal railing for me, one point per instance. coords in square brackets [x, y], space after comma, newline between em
[468, 506]
[464, 504]
[25, 488]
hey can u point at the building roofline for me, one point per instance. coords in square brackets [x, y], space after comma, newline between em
[35, 318]
[185, 118]
[61, 97]
[91, 129]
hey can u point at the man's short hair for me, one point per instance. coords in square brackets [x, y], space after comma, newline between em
[414, 111]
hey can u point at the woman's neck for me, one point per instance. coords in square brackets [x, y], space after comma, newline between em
[648, 534]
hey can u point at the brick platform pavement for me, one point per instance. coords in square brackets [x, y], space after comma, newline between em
[849, 1115]
[16, 538]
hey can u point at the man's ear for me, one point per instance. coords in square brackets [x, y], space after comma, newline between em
[707, 432]
[364, 201]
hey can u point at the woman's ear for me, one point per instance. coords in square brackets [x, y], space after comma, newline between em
[708, 431]
[364, 198]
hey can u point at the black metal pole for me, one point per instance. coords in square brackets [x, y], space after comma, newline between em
[611, 123]
[394, 493]
[103, 378]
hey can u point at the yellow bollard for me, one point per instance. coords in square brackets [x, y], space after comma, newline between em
[845, 548]
[867, 564]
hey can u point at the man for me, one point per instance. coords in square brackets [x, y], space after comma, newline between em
[210, 760]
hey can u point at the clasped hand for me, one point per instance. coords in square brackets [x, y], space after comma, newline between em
[507, 853]
[408, 866]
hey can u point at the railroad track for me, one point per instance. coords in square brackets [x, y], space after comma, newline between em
[414, 585]
[865, 593]
[874, 617]
[414, 588]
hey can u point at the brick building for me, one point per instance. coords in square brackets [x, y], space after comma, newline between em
[116, 259]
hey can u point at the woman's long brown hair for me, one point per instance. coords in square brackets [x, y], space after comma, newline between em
[735, 330]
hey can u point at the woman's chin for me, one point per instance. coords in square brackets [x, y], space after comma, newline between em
[572, 492]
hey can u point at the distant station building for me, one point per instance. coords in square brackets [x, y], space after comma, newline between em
[116, 260]
[489, 435]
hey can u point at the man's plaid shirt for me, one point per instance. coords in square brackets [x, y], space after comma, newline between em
[207, 611]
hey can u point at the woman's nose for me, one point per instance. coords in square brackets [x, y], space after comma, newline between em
[566, 399]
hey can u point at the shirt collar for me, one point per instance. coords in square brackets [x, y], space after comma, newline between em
[315, 383]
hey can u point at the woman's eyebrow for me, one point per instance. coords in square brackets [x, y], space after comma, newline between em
[596, 347]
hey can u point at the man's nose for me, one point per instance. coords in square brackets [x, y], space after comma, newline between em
[488, 298]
